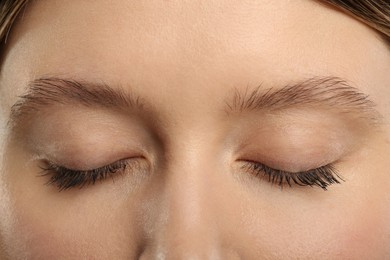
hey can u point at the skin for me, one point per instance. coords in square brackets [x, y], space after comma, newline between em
[188, 196]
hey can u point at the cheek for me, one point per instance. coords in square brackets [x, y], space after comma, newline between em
[91, 230]
[342, 232]
[45, 224]
[349, 221]
[39, 222]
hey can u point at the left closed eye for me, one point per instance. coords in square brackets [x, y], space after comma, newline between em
[64, 178]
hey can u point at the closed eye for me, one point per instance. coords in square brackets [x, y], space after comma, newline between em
[322, 177]
[64, 178]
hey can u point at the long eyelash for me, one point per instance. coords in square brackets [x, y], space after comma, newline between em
[65, 178]
[322, 177]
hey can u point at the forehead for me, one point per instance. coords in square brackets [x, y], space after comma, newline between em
[189, 43]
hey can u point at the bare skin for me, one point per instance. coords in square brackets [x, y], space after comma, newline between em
[186, 191]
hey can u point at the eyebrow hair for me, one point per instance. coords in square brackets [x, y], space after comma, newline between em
[48, 91]
[330, 92]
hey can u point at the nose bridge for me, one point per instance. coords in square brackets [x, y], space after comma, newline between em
[189, 228]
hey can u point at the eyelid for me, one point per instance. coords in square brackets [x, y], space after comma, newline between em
[65, 178]
[322, 177]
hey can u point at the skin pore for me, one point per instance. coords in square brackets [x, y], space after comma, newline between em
[164, 88]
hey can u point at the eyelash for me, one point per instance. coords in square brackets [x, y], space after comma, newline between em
[65, 178]
[322, 177]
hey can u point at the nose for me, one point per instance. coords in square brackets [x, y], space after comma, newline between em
[187, 222]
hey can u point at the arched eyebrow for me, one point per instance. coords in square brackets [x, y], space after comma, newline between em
[317, 92]
[44, 92]
[328, 92]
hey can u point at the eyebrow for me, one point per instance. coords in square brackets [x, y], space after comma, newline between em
[330, 92]
[44, 92]
[333, 93]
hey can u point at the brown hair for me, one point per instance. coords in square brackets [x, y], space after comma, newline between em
[374, 13]
[9, 10]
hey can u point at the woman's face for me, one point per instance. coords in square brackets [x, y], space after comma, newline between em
[192, 118]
